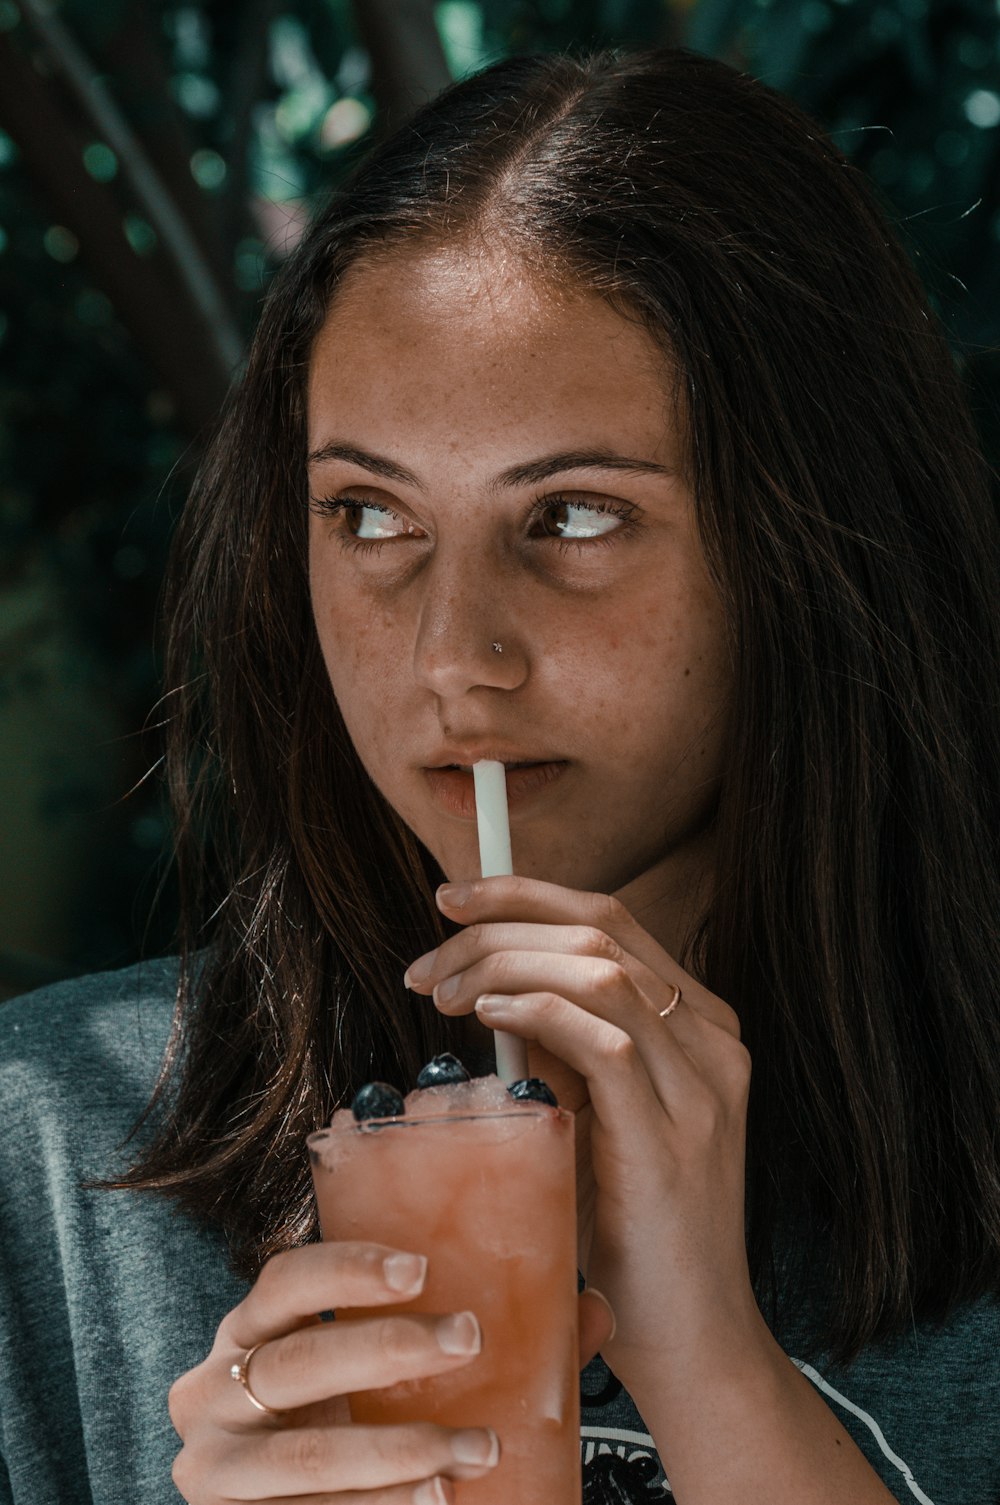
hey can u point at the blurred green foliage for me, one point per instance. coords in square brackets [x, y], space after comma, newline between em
[246, 112]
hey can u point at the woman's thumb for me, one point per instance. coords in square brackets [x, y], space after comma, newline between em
[597, 1324]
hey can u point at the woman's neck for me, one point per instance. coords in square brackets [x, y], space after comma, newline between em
[669, 900]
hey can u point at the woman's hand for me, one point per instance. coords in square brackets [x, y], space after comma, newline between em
[661, 1109]
[305, 1368]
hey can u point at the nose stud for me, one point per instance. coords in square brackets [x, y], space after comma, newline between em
[497, 648]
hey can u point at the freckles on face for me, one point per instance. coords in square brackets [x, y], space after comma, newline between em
[498, 459]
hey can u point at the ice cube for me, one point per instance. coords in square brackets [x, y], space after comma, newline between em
[484, 1094]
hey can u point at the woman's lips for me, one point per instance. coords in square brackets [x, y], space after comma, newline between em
[455, 791]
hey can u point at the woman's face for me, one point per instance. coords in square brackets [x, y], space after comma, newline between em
[497, 460]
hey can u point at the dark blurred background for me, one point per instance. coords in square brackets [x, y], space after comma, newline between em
[157, 161]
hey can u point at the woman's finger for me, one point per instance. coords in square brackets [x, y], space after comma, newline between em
[435, 973]
[669, 1052]
[296, 1284]
[291, 1290]
[620, 1088]
[478, 940]
[587, 967]
[525, 900]
[436, 1491]
[513, 898]
[310, 1460]
[597, 1324]
[314, 1363]
[628, 1080]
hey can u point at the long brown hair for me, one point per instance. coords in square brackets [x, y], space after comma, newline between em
[846, 515]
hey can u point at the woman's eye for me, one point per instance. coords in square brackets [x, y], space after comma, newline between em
[576, 520]
[368, 524]
[365, 521]
[363, 525]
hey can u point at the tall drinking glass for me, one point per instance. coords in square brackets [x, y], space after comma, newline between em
[488, 1194]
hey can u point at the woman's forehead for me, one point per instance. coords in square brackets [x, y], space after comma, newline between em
[480, 309]
[464, 365]
[441, 282]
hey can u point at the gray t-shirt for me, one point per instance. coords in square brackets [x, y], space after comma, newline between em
[106, 1297]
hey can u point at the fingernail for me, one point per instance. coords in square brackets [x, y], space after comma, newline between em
[405, 1273]
[476, 1447]
[447, 989]
[455, 894]
[420, 969]
[493, 1003]
[433, 1492]
[593, 1291]
[459, 1333]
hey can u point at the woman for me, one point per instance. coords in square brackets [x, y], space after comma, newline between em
[598, 425]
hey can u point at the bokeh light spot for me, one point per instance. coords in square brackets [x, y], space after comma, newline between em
[100, 161]
[61, 244]
[140, 234]
[343, 123]
[208, 169]
[250, 265]
[355, 71]
[195, 94]
[974, 52]
[460, 28]
[190, 31]
[299, 111]
[982, 108]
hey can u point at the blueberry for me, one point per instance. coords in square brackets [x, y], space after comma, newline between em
[443, 1070]
[533, 1090]
[377, 1100]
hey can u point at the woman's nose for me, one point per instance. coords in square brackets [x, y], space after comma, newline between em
[468, 637]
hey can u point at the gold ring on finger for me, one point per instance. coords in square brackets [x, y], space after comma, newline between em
[241, 1372]
[665, 1013]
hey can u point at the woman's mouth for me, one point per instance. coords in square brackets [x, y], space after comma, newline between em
[453, 786]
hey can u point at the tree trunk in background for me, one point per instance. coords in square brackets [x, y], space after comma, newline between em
[64, 748]
[408, 61]
[147, 294]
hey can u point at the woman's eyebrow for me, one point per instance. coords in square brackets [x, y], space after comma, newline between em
[377, 464]
[527, 474]
[575, 459]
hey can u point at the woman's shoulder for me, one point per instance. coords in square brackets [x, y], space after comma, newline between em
[921, 1404]
[93, 1009]
[87, 1045]
[119, 1292]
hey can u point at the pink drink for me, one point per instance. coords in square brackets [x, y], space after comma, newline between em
[485, 1187]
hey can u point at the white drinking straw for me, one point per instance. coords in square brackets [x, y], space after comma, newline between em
[495, 862]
